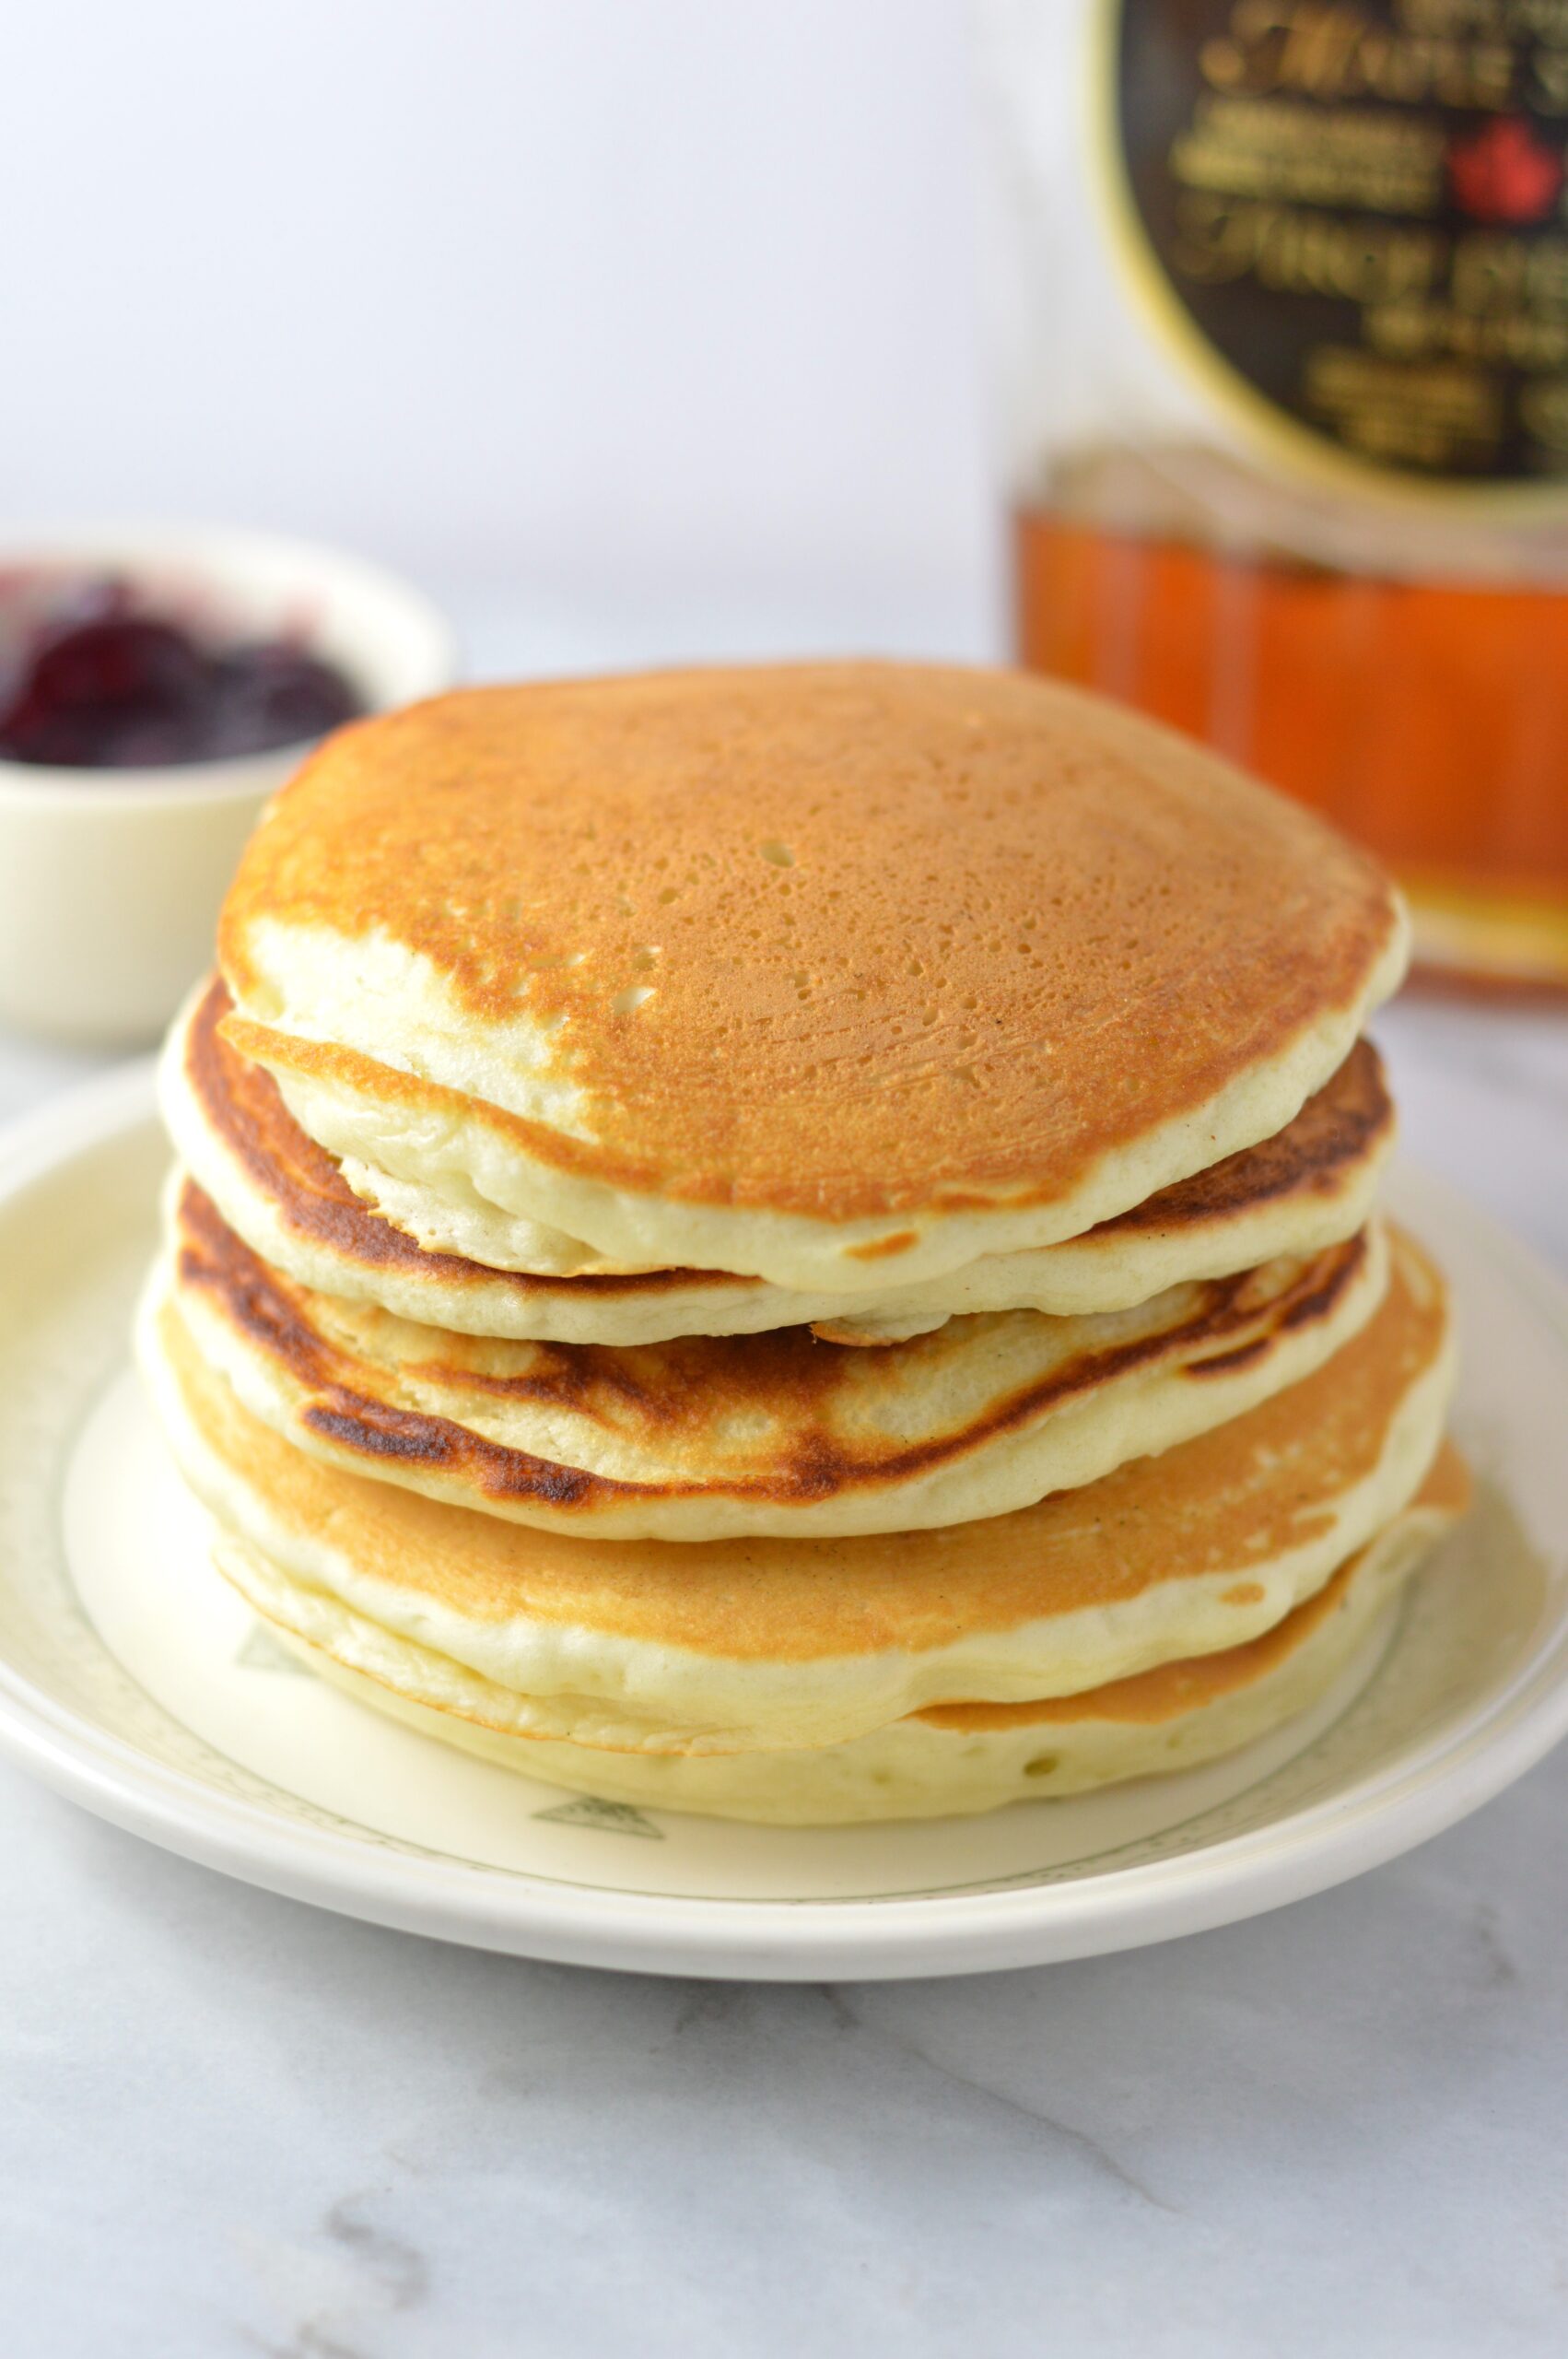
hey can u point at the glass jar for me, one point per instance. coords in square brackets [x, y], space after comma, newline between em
[1279, 293]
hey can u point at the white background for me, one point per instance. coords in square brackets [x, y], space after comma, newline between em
[608, 306]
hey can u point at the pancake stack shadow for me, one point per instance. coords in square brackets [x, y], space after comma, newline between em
[800, 1243]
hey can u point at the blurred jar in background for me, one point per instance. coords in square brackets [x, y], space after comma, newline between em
[1280, 295]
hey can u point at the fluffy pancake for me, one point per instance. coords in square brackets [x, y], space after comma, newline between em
[706, 1436]
[1309, 1187]
[814, 974]
[728, 1646]
[955, 1759]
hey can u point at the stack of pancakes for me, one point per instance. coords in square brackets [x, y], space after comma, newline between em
[800, 1243]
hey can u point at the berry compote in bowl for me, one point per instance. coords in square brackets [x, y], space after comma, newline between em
[156, 687]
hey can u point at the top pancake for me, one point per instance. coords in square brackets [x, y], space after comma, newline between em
[794, 971]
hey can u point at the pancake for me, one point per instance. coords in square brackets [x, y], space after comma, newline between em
[956, 1759]
[824, 975]
[711, 1437]
[1310, 1187]
[766, 1644]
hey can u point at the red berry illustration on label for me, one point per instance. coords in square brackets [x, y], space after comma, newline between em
[1506, 172]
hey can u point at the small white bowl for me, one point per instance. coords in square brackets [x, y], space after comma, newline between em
[110, 880]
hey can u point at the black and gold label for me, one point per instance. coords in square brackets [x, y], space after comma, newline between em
[1351, 217]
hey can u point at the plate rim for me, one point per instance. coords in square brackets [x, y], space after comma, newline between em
[1308, 1850]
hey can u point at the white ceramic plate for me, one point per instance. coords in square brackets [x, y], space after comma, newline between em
[134, 1680]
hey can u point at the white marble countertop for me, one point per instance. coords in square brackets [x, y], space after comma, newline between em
[231, 2124]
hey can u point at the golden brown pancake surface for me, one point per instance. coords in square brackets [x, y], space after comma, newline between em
[777, 1418]
[1265, 1483]
[844, 941]
[245, 1107]
[1347, 1120]
[1171, 1689]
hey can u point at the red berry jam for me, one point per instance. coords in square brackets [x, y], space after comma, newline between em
[94, 675]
